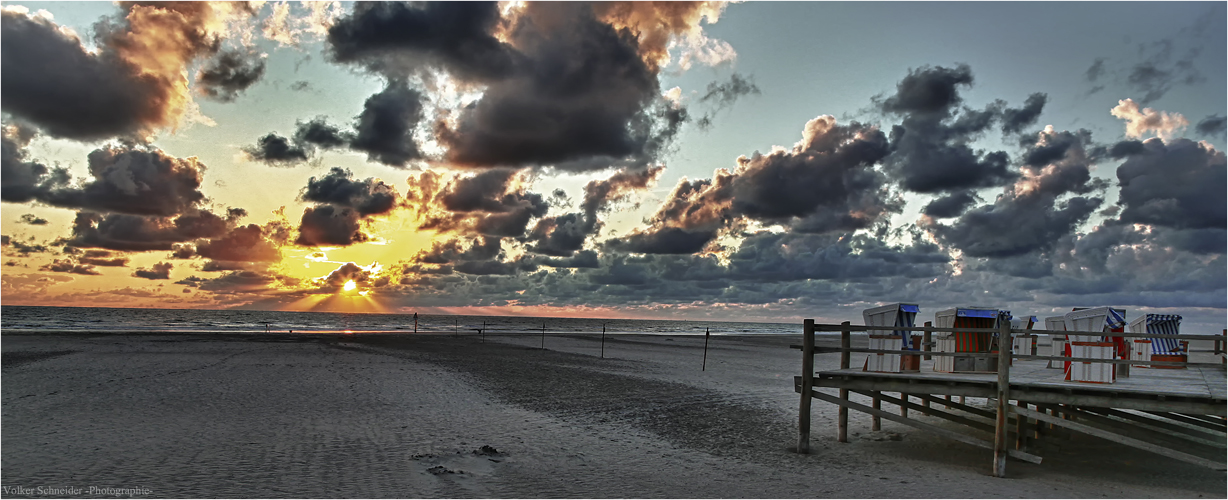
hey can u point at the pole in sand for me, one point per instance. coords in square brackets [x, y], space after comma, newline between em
[483, 332]
[704, 368]
[603, 341]
[415, 322]
[543, 336]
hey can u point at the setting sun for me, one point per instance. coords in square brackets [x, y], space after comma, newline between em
[350, 286]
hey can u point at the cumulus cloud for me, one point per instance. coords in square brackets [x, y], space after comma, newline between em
[1177, 184]
[228, 74]
[1141, 121]
[1034, 212]
[369, 196]
[248, 243]
[133, 86]
[930, 150]
[825, 183]
[309, 136]
[386, 125]
[21, 179]
[1212, 125]
[135, 180]
[159, 271]
[328, 225]
[141, 233]
[572, 86]
[70, 266]
[32, 220]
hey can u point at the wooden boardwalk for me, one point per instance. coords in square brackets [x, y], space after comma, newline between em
[1177, 413]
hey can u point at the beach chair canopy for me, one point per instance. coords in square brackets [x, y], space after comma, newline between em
[894, 315]
[1164, 324]
[1055, 323]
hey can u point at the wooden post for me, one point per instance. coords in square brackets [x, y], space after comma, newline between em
[876, 422]
[842, 419]
[603, 341]
[803, 413]
[947, 406]
[925, 339]
[1223, 346]
[904, 409]
[1003, 393]
[707, 333]
[1020, 422]
[543, 336]
[483, 332]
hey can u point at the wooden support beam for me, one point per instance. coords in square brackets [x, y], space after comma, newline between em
[926, 343]
[1092, 431]
[803, 413]
[1192, 421]
[1003, 395]
[1217, 422]
[963, 438]
[876, 423]
[1160, 438]
[1031, 394]
[937, 413]
[842, 417]
[1164, 425]
[970, 409]
[1020, 422]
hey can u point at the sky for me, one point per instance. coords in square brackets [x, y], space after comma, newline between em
[748, 162]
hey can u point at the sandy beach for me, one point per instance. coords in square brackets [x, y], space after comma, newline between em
[455, 416]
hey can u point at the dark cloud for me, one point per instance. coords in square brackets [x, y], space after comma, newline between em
[141, 233]
[1015, 120]
[276, 150]
[930, 148]
[228, 74]
[1126, 148]
[21, 180]
[326, 225]
[1034, 213]
[1212, 125]
[563, 235]
[309, 136]
[1096, 70]
[1178, 185]
[724, 94]
[131, 86]
[825, 183]
[134, 180]
[53, 82]
[583, 99]
[22, 247]
[32, 220]
[103, 261]
[586, 259]
[319, 133]
[929, 91]
[386, 125]
[368, 197]
[395, 38]
[70, 266]
[951, 205]
[159, 271]
[301, 86]
[666, 240]
[241, 244]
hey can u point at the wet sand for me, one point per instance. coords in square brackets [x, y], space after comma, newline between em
[444, 416]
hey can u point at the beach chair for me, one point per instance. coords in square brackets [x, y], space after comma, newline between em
[1158, 349]
[967, 342]
[1057, 341]
[1024, 343]
[1095, 319]
[893, 340]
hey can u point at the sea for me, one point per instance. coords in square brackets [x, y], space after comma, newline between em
[202, 321]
